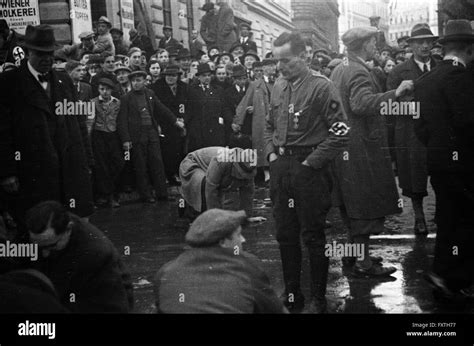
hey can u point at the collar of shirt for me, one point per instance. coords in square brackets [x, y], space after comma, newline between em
[421, 64]
[244, 39]
[455, 58]
[238, 88]
[203, 87]
[36, 75]
[266, 79]
[297, 83]
[112, 99]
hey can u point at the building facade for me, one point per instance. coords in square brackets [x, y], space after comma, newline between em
[403, 15]
[357, 13]
[318, 21]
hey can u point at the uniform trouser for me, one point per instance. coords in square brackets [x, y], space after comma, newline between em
[301, 201]
[148, 164]
[454, 249]
[109, 161]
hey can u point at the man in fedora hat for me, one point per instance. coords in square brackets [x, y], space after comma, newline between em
[141, 114]
[215, 275]
[174, 94]
[249, 58]
[208, 28]
[168, 40]
[410, 153]
[55, 151]
[104, 42]
[245, 39]
[78, 50]
[205, 116]
[367, 174]
[446, 126]
[183, 60]
[121, 47]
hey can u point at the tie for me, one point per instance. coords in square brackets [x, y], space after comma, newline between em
[43, 77]
[425, 68]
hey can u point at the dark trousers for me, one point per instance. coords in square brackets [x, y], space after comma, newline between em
[301, 201]
[172, 148]
[109, 161]
[454, 249]
[148, 164]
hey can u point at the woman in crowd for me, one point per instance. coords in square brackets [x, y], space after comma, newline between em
[135, 59]
[154, 70]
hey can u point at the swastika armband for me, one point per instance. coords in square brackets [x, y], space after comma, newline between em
[339, 129]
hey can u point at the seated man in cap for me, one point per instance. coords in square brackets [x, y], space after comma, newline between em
[208, 28]
[78, 50]
[80, 260]
[104, 43]
[141, 41]
[215, 275]
[121, 47]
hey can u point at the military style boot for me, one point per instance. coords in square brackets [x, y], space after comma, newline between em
[319, 265]
[292, 298]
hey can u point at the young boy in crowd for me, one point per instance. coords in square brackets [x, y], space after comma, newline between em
[106, 145]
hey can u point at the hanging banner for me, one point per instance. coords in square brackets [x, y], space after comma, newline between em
[80, 13]
[127, 17]
[19, 14]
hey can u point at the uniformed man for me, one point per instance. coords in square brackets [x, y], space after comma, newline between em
[304, 131]
[366, 185]
[446, 127]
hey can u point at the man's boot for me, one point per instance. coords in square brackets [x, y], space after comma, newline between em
[292, 298]
[319, 265]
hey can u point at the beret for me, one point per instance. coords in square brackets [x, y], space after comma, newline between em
[213, 225]
[354, 36]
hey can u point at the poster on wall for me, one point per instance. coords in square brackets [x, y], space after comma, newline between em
[126, 17]
[20, 14]
[80, 14]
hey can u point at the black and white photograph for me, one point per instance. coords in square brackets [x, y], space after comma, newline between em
[295, 165]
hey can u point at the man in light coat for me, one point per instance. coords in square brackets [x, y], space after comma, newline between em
[225, 27]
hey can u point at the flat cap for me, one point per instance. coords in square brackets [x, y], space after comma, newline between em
[354, 36]
[86, 34]
[107, 82]
[138, 73]
[213, 225]
[105, 20]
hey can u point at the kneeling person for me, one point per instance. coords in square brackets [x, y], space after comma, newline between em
[215, 275]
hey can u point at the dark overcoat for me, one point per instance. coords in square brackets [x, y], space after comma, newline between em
[55, 153]
[129, 120]
[365, 182]
[90, 268]
[205, 118]
[410, 152]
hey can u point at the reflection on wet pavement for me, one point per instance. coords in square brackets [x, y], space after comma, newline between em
[155, 236]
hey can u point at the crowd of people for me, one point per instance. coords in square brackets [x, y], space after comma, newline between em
[163, 117]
